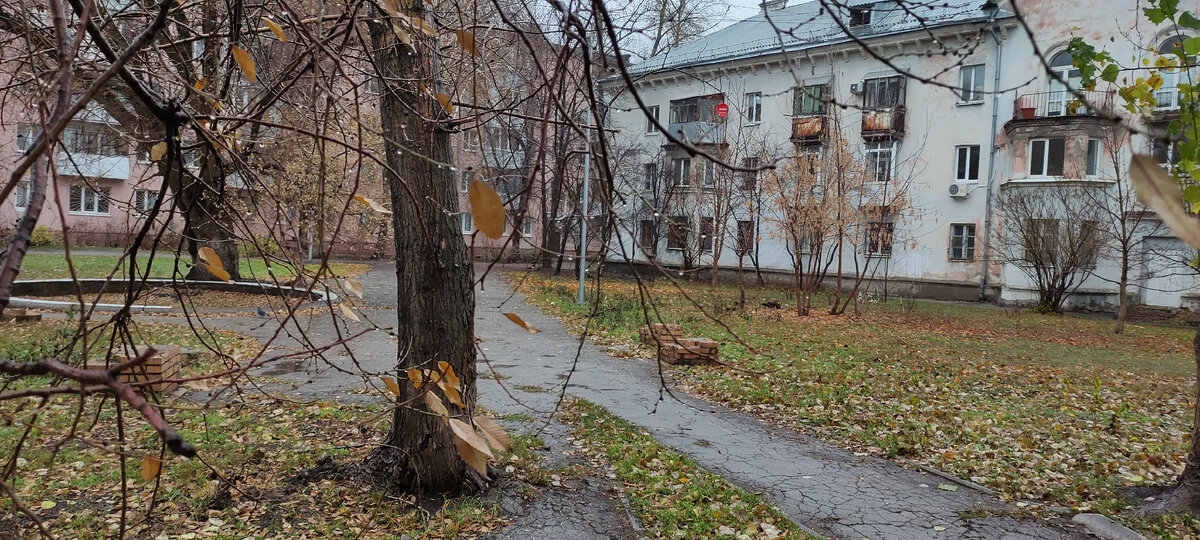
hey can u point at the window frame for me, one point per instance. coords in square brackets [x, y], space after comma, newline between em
[647, 238]
[890, 88]
[880, 238]
[873, 151]
[22, 191]
[466, 223]
[650, 175]
[651, 117]
[753, 107]
[803, 98]
[972, 94]
[972, 162]
[964, 235]
[1091, 167]
[745, 237]
[92, 195]
[681, 172]
[750, 177]
[708, 228]
[677, 233]
[1046, 153]
[148, 198]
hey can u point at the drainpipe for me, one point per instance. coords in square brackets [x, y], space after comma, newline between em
[987, 210]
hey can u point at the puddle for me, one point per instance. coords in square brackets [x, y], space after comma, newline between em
[284, 367]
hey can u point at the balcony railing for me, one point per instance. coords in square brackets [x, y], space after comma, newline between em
[93, 165]
[809, 129]
[883, 122]
[1063, 103]
[699, 132]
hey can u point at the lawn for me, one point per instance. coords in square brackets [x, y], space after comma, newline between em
[41, 265]
[1052, 410]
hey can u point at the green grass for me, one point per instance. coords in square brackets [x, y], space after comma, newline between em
[52, 265]
[1053, 409]
[673, 497]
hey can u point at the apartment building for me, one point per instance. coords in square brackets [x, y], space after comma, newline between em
[937, 114]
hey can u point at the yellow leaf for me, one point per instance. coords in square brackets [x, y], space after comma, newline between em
[218, 273]
[158, 151]
[464, 431]
[466, 40]
[1160, 191]
[402, 34]
[496, 437]
[46, 505]
[391, 384]
[200, 84]
[275, 29]
[414, 375]
[452, 394]
[521, 322]
[245, 62]
[435, 406]
[354, 287]
[471, 456]
[487, 211]
[448, 375]
[372, 204]
[444, 100]
[209, 255]
[349, 313]
[151, 466]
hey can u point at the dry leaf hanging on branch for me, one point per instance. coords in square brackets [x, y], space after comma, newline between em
[1161, 192]
[487, 210]
[245, 63]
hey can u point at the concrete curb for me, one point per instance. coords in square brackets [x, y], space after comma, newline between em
[1103, 527]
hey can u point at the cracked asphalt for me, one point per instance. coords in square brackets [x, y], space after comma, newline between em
[830, 491]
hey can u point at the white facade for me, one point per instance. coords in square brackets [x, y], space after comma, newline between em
[965, 74]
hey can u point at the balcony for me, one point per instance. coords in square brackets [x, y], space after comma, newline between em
[93, 165]
[883, 122]
[699, 132]
[1062, 103]
[809, 129]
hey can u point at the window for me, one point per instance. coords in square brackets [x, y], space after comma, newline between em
[966, 163]
[1040, 242]
[92, 138]
[883, 92]
[962, 242]
[706, 234]
[879, 160]
[1167, 96]
[651, 118]
[466, 223]
[1046, 157]
[21, 195]
[745, 236]
[1093, 157]
[649, 176]
[527, 227]
[372, 85]
[470, 141]
[971, 86]
[25, 135]
[1166, 153]
[502, 138]
[1061, 100]
[686, 110]
[879, 238]
[88, 200]
[860, 15]
[677, 232]
[144, 200]
[681, 172]
[647, 234]
[710, 174]
[810, 100]
[753, 108]
[750, 176]
[464, 181]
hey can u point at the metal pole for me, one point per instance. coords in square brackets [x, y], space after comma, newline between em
[587, 167]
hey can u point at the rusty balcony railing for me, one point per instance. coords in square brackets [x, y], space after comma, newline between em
[883, 122]
[808, 129]
[1063, 103]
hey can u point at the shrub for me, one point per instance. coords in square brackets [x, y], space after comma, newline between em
[42, 236]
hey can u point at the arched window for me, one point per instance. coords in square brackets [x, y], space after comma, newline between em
[1167, 95]
[1062, 69]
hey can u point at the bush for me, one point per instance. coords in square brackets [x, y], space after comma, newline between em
[43, 237]
[261, 246]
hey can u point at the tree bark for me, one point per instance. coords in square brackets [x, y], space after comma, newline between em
[1186, 495]
[435, 298]
[208, 221]
[1122, 287]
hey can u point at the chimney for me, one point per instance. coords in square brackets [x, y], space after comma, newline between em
[773, 5]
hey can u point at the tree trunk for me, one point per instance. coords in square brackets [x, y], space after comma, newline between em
[208, 221]
[435, 298]
[1123, 299]
[1186, 495]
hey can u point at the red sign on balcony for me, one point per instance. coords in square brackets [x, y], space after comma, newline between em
[722, 110]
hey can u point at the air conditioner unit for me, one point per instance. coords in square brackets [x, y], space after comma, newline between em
[958, 191]
[856, 88]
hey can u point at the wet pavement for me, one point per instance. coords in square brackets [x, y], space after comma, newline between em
[828, 490]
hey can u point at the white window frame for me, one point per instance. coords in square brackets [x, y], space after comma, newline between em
[959, 231]
[26, 133]
[706, 240]
[882, 224]
[962, 152]
[466, 223]
[750, 177]
[753, 110]
[143, 200]
[650, 175]
[21, 195]
[527, 227]
[874, 149]
[651, 117]
[1045, 165]
[681, 172]
[89, 200]
[1091, 167]
[709, 175]
[470, 141]
[464, 181]
[972, 83]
